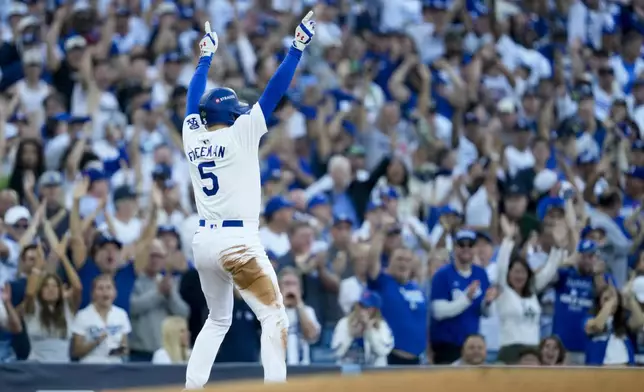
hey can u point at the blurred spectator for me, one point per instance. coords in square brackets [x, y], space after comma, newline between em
[460, 295]
[9, 318]
[49, 308]
[242, 342]
[154, 298]
[607, 329]
[175, 346]
[473, 351]
[101, 329]
[517, 304]
[351, 288]
[404, 305]
[528, 356]
[304, 328]
[363, 336]
[552, 352]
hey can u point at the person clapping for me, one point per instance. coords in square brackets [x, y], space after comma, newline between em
[363, 337]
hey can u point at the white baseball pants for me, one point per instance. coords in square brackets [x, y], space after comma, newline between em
[234, 255]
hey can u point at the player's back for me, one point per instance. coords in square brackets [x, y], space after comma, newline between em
[224, 166]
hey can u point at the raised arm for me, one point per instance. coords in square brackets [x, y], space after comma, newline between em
[197, 86]
[281, 80]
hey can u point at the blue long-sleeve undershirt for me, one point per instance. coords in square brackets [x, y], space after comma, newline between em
[279, 83]
[197, 85]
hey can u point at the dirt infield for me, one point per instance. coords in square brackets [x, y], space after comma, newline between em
[453, 380]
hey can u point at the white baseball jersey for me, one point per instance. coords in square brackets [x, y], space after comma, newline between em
[224, 166]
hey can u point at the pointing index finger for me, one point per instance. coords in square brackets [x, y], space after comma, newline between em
[308, 16]
[207, 28]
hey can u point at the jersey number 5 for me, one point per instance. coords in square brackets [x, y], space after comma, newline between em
[206, 174]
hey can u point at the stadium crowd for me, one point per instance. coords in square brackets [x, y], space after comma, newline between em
[447, 181]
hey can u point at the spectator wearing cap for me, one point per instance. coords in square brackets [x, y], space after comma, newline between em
[154, 297]
[605, 215]
[129, 31]
[172, 211]
[90, 194]
[176, 259]
[278, 214]
[112, 148]
[517, 304]
[605, 91]
[460, 295]
[124, 225]
[637, 153]
[515, 200]
[541, 153]
[576, 286]
[414, 233]
[107, 255]
[473, 352]
[29, 158]
[373, 215]
[20, 230]
[363, 336]
[518, 155]
[164, 37]
[465, 141]
[319, 208]
[633, 190]
[450, 220]
[32, 90]
[404, 305]
[171, 70]
[49, 189]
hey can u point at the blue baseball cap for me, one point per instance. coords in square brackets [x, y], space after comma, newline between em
[445, 210]
[589, 229]
[636, 172]
[95, 174]
[638, 145]
[587, 157]
[271, 175]
[373, 205]
[342, 218]
[167, 229]
[389, 192]
[317, 200]
[370, 299]
[587, 247]
[104, 239]
[161, 171]
[78, 119]
[484, 236]
[548, 203]
[50, 178]
[277, 203]
[465, 234]
[64, 117]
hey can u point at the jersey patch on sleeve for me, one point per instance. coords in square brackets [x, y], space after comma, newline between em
[193, 123]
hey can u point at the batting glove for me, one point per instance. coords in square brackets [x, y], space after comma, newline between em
[304, 32]
[209, 43]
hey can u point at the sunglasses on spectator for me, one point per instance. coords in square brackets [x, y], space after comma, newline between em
[465, 244]
[19, 226]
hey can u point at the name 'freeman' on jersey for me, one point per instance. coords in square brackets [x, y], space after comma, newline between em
[206, 152]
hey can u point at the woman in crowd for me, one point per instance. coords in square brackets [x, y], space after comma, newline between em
[100, 330]
[551, 351]
[29, 159]
[176, 342]
[518, 305]
[48, 309]
[607, 329]
[363, 337]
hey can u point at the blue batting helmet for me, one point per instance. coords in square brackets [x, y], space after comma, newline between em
[221, 106]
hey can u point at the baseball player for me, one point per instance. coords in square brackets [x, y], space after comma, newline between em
[221, 139]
